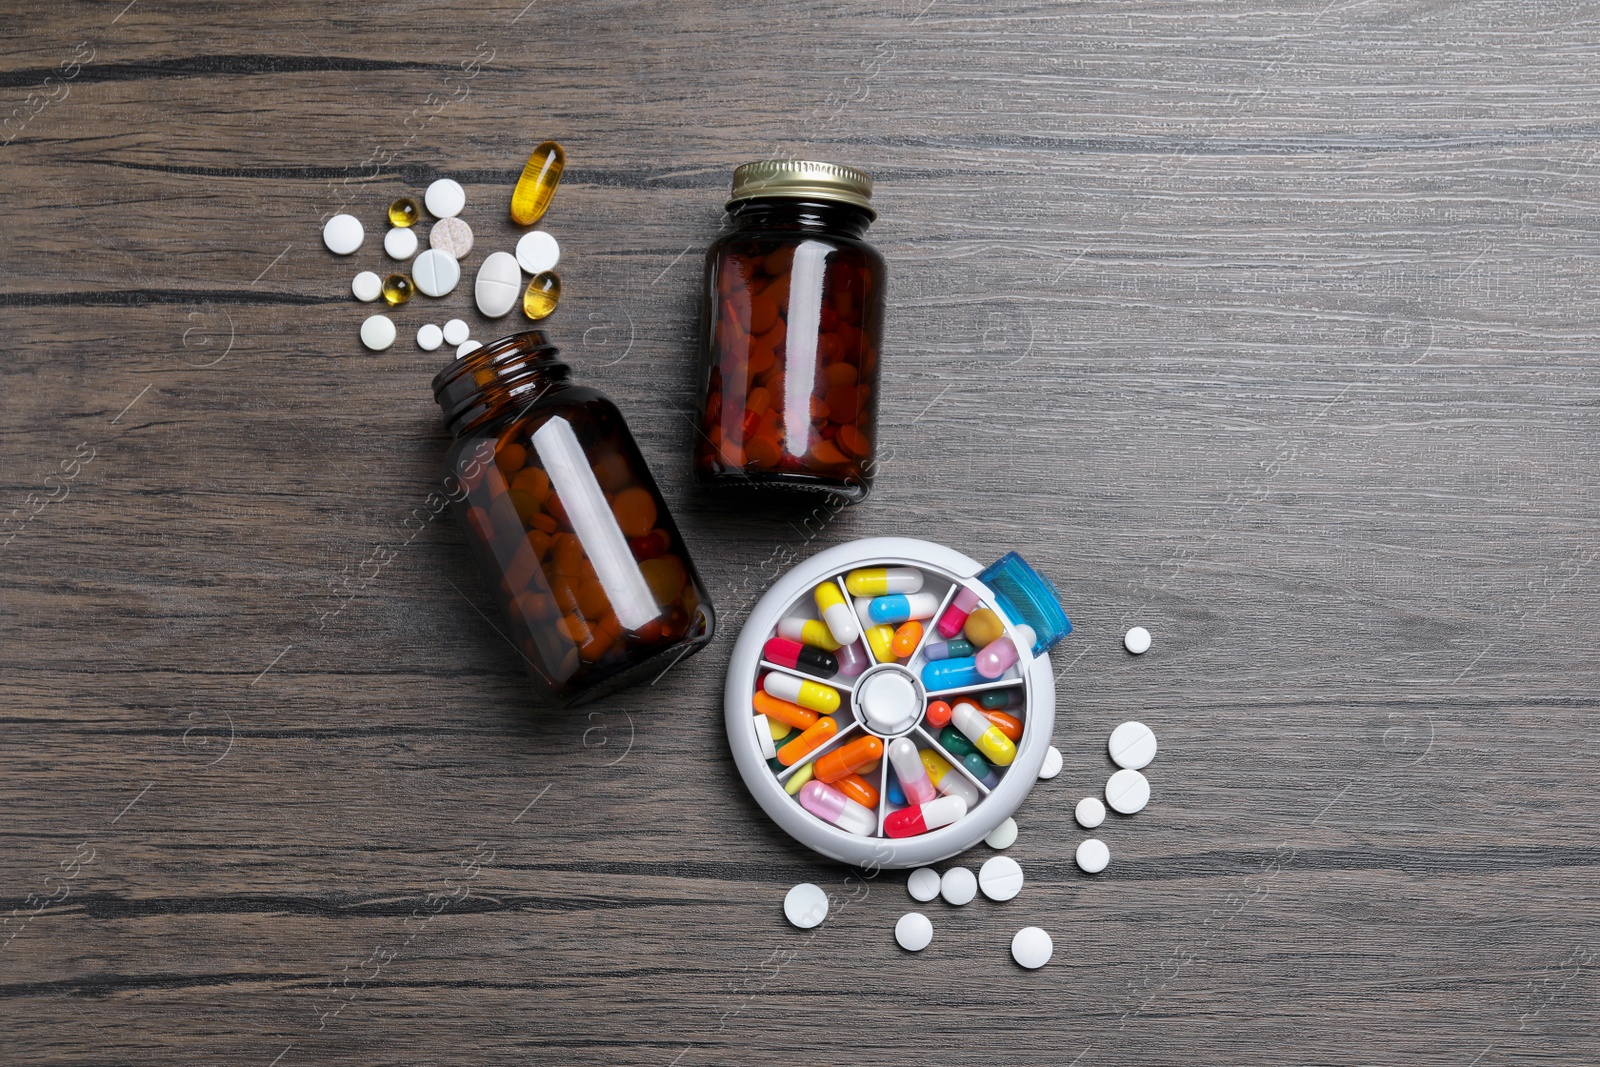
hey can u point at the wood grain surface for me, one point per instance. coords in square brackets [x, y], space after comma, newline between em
[1271, 328]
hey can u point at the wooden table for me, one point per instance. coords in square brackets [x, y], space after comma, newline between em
[1271, 329]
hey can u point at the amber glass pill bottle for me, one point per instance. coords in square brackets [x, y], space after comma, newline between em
[567, 524]
[791, 325]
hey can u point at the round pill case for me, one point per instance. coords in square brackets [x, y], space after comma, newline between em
[888, 699]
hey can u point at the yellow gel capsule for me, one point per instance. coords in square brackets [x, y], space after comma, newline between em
[397, 289]
[544, 293]
[800, 778]
[881, 640]
[404, 212]
[983, 627]
[531, 198]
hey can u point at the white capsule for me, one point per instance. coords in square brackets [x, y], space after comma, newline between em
[956, 784]
[842, 623]
[1128, 791]
[1137, 640]
[445, 198]
[435, 273]
[400, 242]
[942, 811]
[1000, 878]
[923, 884]
[456, 331]
[429, 337]
[538, 252]
[343, 234]
[1132, 745]
[1093, 855]
[1090, 812]
[913, 932]
[958, 886]
[367, 286]
[377, 333]
[909, 770]
[499, 284]
[769, 747]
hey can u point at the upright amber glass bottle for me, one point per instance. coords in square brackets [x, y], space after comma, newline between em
[567, 524]
[792, 321]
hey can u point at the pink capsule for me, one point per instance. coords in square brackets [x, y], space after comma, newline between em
[995, 658]
[955, 616]
[852, 660]
[832, 806]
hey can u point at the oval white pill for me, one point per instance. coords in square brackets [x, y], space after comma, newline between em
[451, 235]
[806, 905]
[1052, 763]
[343, 234]
[400, 243]
[367, 286]
[429, 337]
[769, 747]
[467, 346]
[537, 252]
[1093, 855]
[1132, 745]
[377, 333]
[499, 284]
[958, 886]
[1137, 640]
[445, 198]
[923, 884]
[456, 331]
[1000, 878]
[1002, 836]
[913, 931]
[435, 272]
[1128, 792]
[1089, 812]
[1032, 947]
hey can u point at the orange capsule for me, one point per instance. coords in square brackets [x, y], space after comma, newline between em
[784, 712]
[906, 639]
[808, 742]
[1009, 725]
[846, 758]
[858, 789]
[537, 186]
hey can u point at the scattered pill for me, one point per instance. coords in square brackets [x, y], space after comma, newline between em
[451, 235]
[1093, 855]
[1002, 836]
[445, 198]
[397, 289]
[923, 884]
[1137, 640]
[367, 286]
[377, 333]
[429, 337]
[1052, 763]
[400, 243]
[958, 886]
[542, 295]
[404, 212]
[436, 272]
[456, 331]
[498, 285]
[1032, 948]
[1128, 791]
[1000, 877]
[806, 905]
[343, 234]
[914, 932]
[1089, 812]
[537, 185]
[538, 252]
[467, 346]
[1132, 745]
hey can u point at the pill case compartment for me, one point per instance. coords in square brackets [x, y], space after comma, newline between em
[945, 571]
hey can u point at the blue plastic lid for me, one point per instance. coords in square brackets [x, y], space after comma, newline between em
[1026, 596]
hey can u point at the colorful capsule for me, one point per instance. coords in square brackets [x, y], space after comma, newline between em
[938, 715]
[950, 674]
[899, 607]
[955, 616]
[1011, 696]
[919, 819]
[832, 806]
[787, 653]
[981, 732]
[983, 626]
[814, 695]
[848, 759]
[852, 660]
[404, 212]
[540, 176]
[808, 632]
[783, 711]
[896, 794]
[858, 789]
[947, 779]
[808, 742]
[979, 768]
[542, 295]
[954, 741]
[995, 658]
[881, 640]
[799, 778]
[907, 636]
[955, 648]
[1009, 725]
[831, 605]
[908, 769]
[880, 581]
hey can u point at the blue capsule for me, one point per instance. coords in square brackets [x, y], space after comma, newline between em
[951, 673]
[902, 607]
[896, 794]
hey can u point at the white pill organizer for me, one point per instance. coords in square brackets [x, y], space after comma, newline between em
[871, 703]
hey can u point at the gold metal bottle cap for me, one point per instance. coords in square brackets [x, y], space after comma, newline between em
[803, 180]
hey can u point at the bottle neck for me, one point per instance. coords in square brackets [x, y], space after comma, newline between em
[497, 380]
[813, 216]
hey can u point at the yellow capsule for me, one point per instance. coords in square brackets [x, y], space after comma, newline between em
[531, 197]
[977, 728]
[397, 289]
[840, 620]
[882, 581]
[881, 640]
[808, 632]
[544, 293]
[404, 212]
[779, 730]
[800, 778]
[983, 626]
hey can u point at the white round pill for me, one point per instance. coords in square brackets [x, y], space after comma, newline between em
[377, 333]
[467, 346]
[1089, 812]
[499, 284]
[923, 884]
[958, 886]
[1128, 792]
[445, 198]
[429, 337]
[1132, 745]
[435, 272]
[367, 286]
[1052, 763]
[913, 931]
[538, 251]
[1002, 836]
[451, 235]
[1137, 640]
[456, 331]
[1032, 947]
[1000, 878]
[1093, 855]
[806, 905]
[343, 234]
[400, 242]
